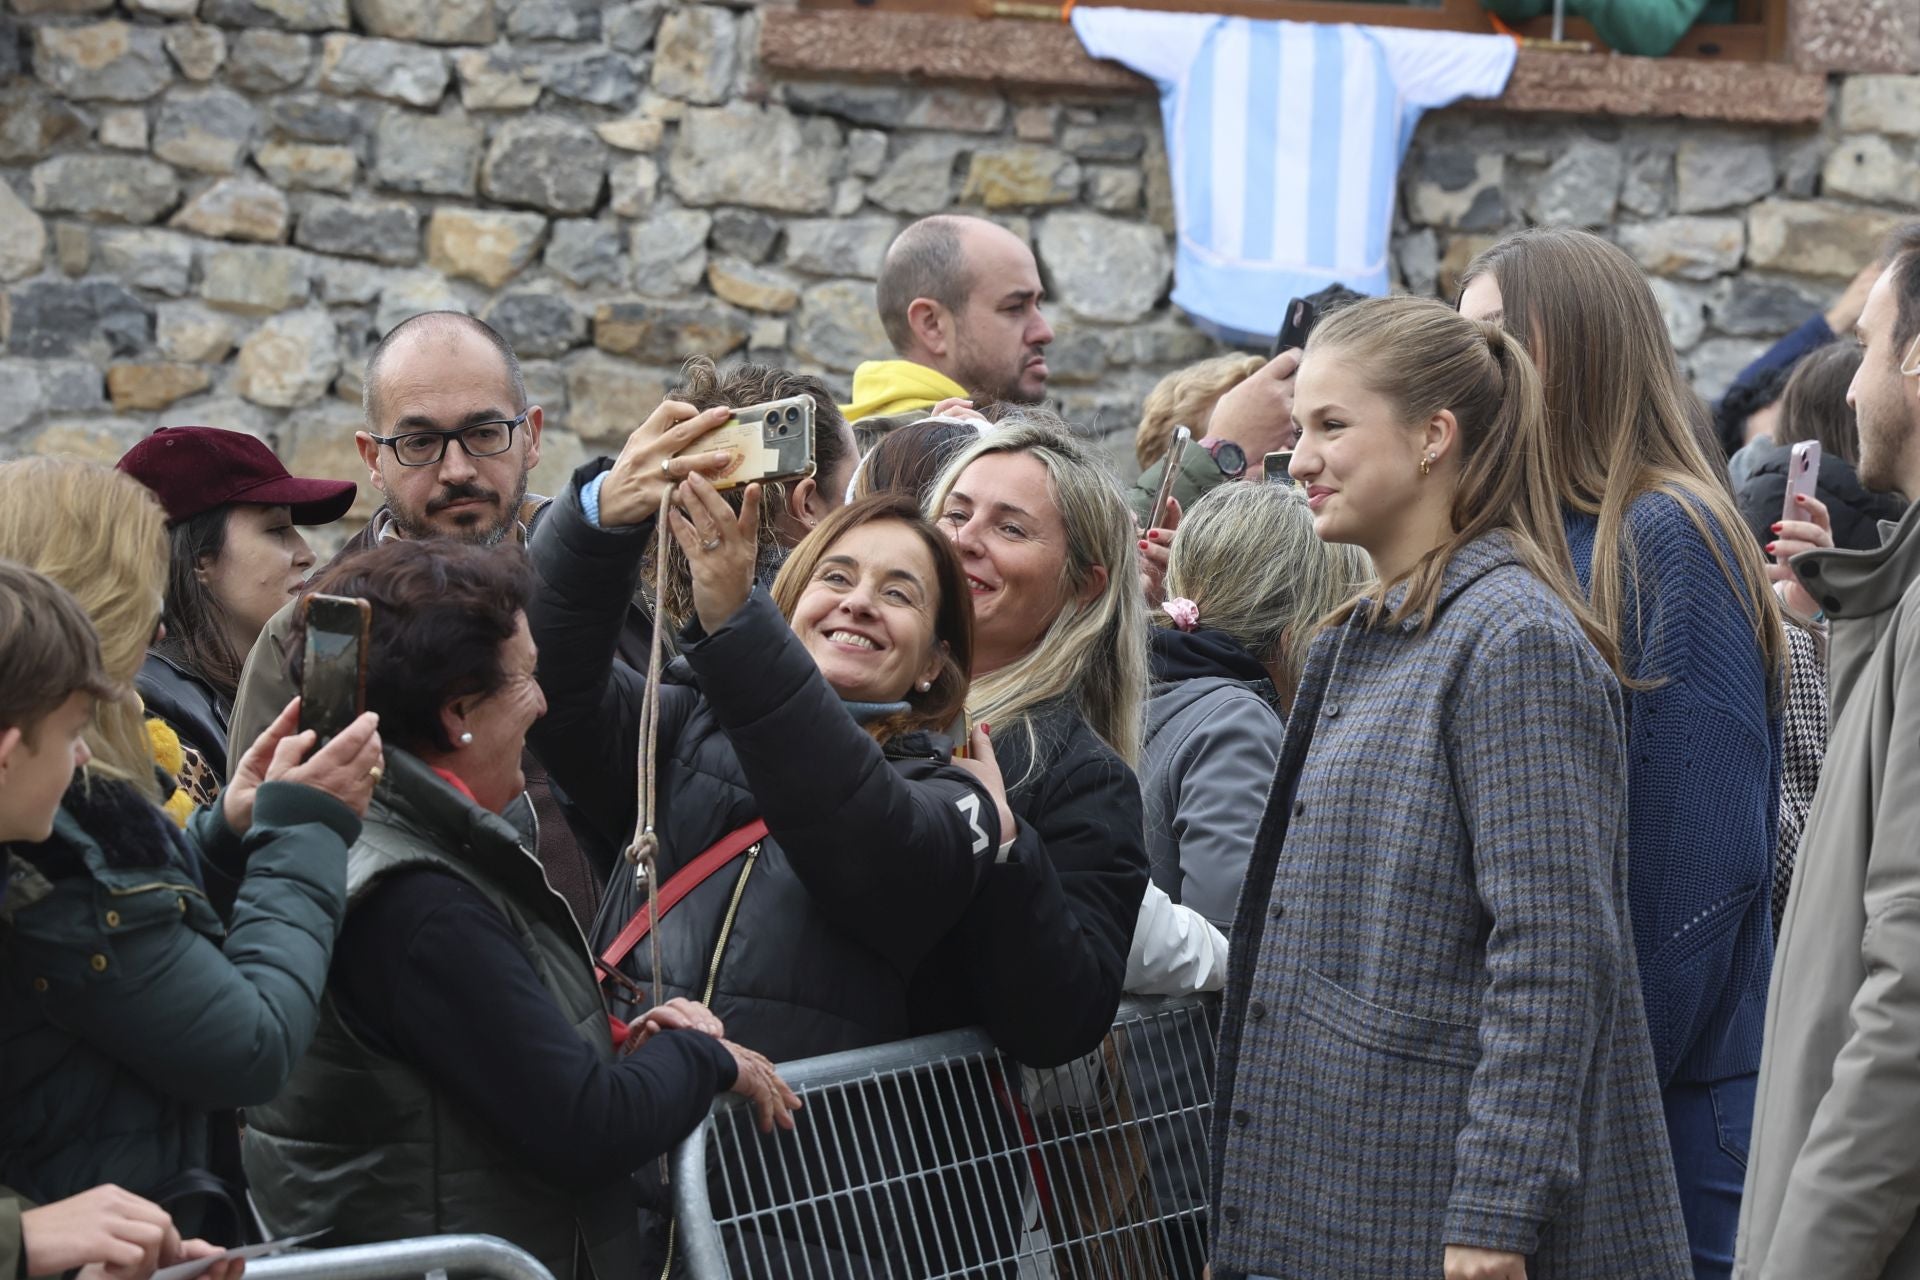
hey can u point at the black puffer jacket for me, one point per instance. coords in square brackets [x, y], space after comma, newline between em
[1855, 509]
[873, 853]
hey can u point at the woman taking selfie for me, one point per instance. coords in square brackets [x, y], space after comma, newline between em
[1059, 672]
[1681, 590]
[1433, 1059]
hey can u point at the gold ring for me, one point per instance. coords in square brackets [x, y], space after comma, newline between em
[376, 773]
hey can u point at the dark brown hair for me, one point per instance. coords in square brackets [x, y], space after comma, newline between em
[1815, 406]
[941, 705]
[1903, 251]
[48, 651]
[909, 459]
[442, 610]
[194, 617]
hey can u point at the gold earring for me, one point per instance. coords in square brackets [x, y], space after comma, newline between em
[1426, 464]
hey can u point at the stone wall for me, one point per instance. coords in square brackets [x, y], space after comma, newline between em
[210, 209]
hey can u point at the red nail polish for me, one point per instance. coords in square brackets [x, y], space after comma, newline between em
[1776, 526]
[1771, 546]
[1143, 544]
[985, 729]
[1800, 498]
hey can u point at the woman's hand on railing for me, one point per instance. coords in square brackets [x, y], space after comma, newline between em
[773, 1102]
[721, 548]
[646, 468]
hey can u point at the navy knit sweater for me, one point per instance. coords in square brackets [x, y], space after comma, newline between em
[1703, 789]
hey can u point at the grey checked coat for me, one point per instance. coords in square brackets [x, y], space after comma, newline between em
[1433, 1031]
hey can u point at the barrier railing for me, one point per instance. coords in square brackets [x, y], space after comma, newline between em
[939, 1157]
[432, 1256]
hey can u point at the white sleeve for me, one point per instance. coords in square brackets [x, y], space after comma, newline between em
[1160, 46]
[1433, 68]
[1176, 950]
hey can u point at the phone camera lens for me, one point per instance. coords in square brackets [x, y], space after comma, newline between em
[793, 416]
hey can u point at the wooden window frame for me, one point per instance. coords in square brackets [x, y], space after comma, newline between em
[1760, 35]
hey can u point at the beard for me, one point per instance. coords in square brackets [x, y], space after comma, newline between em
[418, 524]
[1884, 444]
[990, 382]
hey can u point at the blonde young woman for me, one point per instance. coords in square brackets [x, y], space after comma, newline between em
[128, 1006]
[1432, 1057]
[1681, 589]
[1059, 673]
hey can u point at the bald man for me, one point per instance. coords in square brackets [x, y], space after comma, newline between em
[960, 298]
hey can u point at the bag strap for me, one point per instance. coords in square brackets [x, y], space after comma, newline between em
[684, 882]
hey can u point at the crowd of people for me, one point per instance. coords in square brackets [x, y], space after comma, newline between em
[1539, 788]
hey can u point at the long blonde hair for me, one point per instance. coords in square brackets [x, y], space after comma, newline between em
[1270, 602]
[102, 536]
[1621, 422]
[1185, 398]
[1095, 651]
[1424, 356]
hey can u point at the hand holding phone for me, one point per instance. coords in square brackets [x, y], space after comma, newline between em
[1176, 453]
[772, 441]
[1295, 327]
[1274, 468]
[333, 664]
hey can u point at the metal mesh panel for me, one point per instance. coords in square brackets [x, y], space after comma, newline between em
[939, 1158]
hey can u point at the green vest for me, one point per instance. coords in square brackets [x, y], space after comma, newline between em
[375, 1150]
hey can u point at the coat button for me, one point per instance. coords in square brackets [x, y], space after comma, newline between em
[1299, 807]
[1232, 1213]
[183, 904]
[1256, 1010]
[99, 963]
[40, 985]
[1243, 1118]
[113, 919]
[1277, 910]
[1333, 709]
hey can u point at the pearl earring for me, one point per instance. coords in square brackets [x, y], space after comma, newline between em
[466, 739]
[925, 685]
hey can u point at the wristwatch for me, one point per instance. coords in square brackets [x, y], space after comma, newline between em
[1228, 456]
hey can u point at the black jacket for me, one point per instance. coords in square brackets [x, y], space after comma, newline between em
[189, 705]
[1855, 509]
[1040, 957]
[873, 853]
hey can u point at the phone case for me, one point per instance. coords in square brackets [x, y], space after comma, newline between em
[333, 668]
[774, 441]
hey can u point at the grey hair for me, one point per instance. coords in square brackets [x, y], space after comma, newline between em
[1095, 652]
[926, 260]
[1247, 555]
[426, 324]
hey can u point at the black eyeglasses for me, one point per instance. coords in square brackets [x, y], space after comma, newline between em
[481, 440]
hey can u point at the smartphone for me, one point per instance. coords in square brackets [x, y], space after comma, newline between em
[333, 665]
[961, 731]
[1176, 453]
[774, 441]
[1273, 468]
[1803, 469]
[1295, 327]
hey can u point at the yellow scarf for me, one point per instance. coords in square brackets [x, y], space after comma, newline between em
[882, 388]
[170, 754]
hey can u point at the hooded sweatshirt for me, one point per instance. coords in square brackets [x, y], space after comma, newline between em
[882, 388]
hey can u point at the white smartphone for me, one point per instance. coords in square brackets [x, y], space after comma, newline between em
[1803, 470]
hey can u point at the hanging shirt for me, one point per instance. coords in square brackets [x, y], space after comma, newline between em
[1285, 141]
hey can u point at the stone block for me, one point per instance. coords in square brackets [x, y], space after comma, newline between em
[1112, 189]
[138, 388]
[94, 439]
[754, 287]
[237, 209]
[764, 158]
[1036, 123]
[23, 237]
[839, 326]
[553, 20]
[264, 61]
[767, 335]
[1722, 173]
[1649, 186]
[80, 318]
[382, 230]
[432, 155]
[1109, 142]
[1753, 305]
[1021, 176]
[849, 194]
[1713, 365]
[72, 249]
[667, 331]
[124, 129]
[197, 50]
[607, 398]
[209, 130]
[103, 61]
[695, 54]
[1692, 248]
[537, 324]
[105, 188]
[561, 453]
[882, 106]
[487, 245]
[1881, 104]
[546, 382]
[635, 133]
[632, 185]
[344, 282]
[303, 166]
[290, 360]
[428, 21]
[1581, 187]
[310, 118]
[38, 8]
[415, 292]
[353, 65]
[919, 178]
[497, 80]
[255, 281]
[631, 28]
[840, 246]
[549, 164]
[599, 79]
[1163, 343]
[163, 8]
[668, 252]
[1869, 167]
[866, 152]
[32, 124]
[158, 260]
[283, 15]
[24, 400]
[1684, 309]
[1457, 187]
[1813, 237]
[318, 441]
[1103, 268]
[585, 252]
[71, 386]
[190, 333]
[955, 110]
[1417, 254]
[744, 233]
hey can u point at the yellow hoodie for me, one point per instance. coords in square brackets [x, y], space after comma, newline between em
[882, 388]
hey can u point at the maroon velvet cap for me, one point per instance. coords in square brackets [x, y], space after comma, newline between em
[195, 469]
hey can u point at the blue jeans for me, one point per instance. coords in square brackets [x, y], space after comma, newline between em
[1708, 1126]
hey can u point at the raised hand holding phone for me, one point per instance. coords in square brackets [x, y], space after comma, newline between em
[654, 460]
[721, 547]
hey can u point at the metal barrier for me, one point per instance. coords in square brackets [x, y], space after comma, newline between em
[939, 1157]
[431, 1256]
